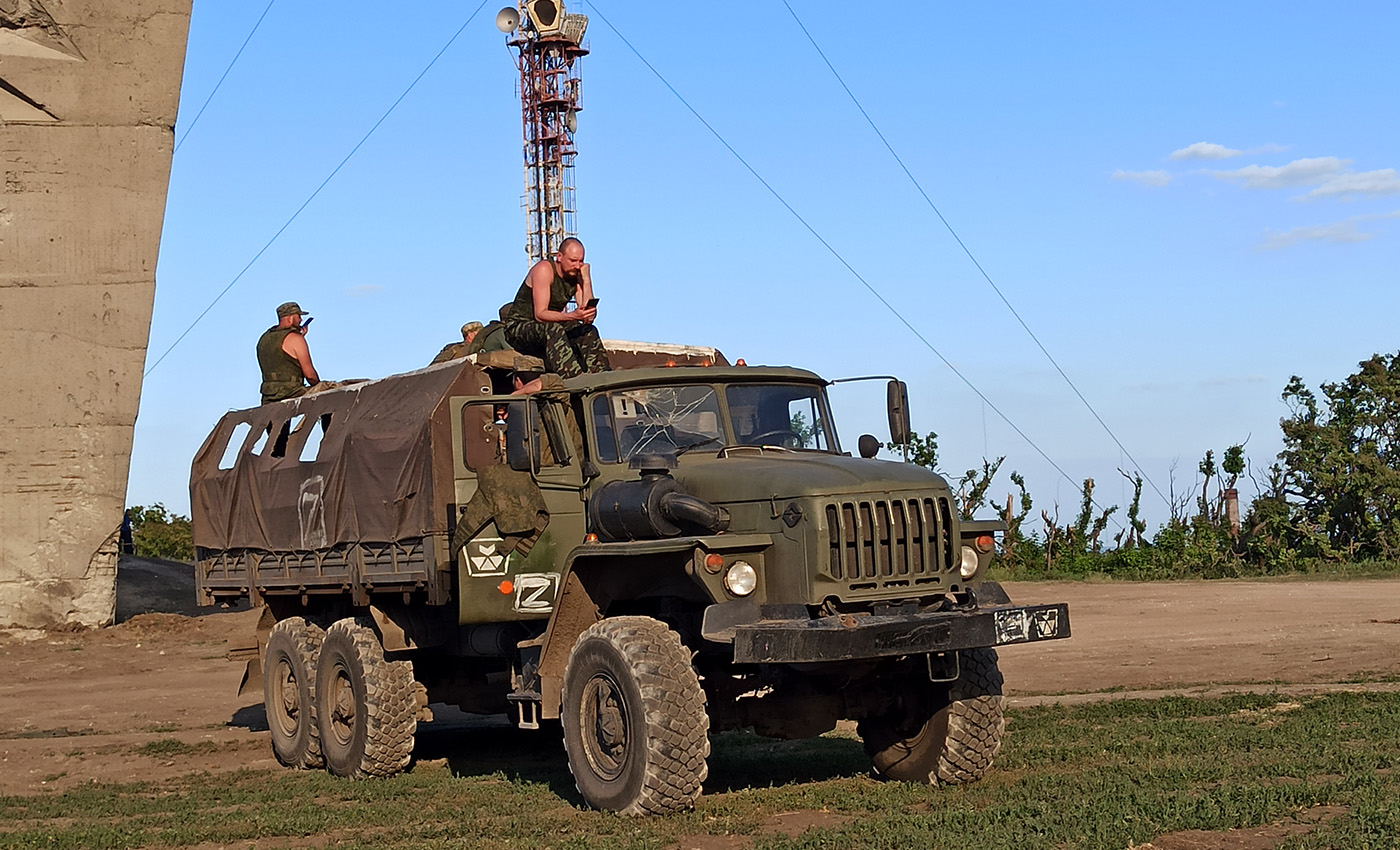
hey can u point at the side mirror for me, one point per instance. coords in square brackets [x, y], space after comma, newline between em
[522, 450]
[868, 445]
[897, 403]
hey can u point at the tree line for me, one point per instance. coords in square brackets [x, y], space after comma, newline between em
[1330, 501]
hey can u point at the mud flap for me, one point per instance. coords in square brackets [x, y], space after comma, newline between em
[253, 672]
[252, 675]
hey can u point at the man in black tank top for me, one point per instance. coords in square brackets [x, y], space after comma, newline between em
[539, 322]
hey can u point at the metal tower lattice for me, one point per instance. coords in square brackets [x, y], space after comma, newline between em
[548, 45]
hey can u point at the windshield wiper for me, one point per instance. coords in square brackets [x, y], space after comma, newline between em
[683, 449]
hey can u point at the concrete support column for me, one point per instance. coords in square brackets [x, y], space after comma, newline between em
[88, 93]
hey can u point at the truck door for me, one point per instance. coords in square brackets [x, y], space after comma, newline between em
[519, 488]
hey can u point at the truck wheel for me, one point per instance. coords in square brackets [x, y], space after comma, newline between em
[635, 727]
[289, 692]
[366, 708]
[941, 735]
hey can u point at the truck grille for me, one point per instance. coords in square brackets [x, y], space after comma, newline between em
[877, 542]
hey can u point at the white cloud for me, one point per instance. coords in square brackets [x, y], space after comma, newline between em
[363, 289]
[1345, 232]
[1383, 181]
[1205, 150]
[1148, 178]
[1341, 233]
[1299, 172]
[1151, 387]
[1229, 381]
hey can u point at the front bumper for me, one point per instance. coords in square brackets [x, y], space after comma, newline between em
[849, 637]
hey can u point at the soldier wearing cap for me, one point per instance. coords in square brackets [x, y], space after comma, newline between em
[475, 338]
[284, 356]
[453, 350]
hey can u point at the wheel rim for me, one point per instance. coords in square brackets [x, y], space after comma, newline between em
[604, 727]
[911, 722]
[286, 697]
[342, 707]
[909, 725]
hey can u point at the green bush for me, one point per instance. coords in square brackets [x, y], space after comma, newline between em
[157, 533]
[1329, 505]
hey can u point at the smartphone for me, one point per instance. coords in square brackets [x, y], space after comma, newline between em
[306, 324]
[592, 302]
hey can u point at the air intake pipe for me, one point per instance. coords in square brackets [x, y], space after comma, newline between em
[654, 506]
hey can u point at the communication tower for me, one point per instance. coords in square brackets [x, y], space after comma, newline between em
[548, 42]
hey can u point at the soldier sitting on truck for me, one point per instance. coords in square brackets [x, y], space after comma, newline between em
[453, 350]
[475, 338]
[490, 338]
[538, 323]
[285, 358]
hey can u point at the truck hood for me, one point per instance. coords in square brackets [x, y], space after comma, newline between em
[749, 477]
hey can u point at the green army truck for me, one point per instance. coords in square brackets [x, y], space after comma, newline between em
[641, 557]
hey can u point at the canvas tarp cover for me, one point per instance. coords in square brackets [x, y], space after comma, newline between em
[373, 479]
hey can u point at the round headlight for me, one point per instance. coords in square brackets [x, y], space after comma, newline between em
[968, 567]
[740, 579]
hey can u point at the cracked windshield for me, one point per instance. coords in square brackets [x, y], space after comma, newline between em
[677, 419]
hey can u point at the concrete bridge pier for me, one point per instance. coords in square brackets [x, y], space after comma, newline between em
[88, 94]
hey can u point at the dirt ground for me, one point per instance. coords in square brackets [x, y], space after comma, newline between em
[79, 706]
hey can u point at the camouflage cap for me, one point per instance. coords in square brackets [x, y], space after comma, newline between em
[470, 327]
[291, 308]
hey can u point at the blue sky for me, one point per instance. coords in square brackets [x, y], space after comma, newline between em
[1187, 204]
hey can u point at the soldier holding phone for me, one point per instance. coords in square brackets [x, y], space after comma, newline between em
[538, 321]
[285, 358]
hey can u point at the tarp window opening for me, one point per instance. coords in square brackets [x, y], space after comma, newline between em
[257, 447]
[235, 442]
[293, 426]
[311, 449]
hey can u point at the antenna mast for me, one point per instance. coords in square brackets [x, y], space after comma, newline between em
[548, 43]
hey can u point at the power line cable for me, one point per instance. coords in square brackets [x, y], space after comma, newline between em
[839, 258]
[968, 251]
[308, 201]
[231, 63]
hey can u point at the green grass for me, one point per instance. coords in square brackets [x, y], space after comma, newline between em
[1097, 776]
[162, 728]
[62, 732]
[167, 747]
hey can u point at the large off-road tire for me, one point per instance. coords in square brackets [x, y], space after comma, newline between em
[938, 734]
[635, 727]
[366, 706]
[289, 692]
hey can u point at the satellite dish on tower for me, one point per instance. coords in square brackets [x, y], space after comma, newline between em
[507, 19]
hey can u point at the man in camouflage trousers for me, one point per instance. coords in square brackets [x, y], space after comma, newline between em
[538, 322]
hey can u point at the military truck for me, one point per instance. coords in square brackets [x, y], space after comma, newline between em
[643, 557]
